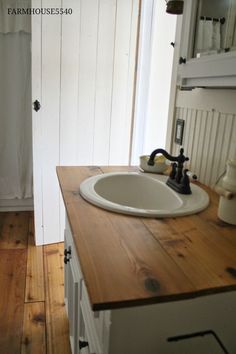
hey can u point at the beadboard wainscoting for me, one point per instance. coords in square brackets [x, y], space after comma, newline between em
[209, 138]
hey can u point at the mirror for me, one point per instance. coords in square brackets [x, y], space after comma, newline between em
[215, 27]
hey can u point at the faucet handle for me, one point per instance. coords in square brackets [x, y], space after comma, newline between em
[185, 182]
[192, 176]
[173, 170]
[181, 157]
[185, 178]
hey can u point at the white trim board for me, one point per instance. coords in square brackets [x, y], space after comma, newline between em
[208, 100]
[153, 79]
[143, 78]
[16, 204]
[173, 88]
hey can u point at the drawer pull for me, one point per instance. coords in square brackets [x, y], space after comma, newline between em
[182, 60]
[66, 252]
[83, 344]
[66, 260]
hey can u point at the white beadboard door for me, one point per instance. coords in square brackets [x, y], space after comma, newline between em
[83, 71]
[46, 53]
[36, 67]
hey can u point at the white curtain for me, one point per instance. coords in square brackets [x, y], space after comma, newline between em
[14, 17]
[15, 116]
[208, 36]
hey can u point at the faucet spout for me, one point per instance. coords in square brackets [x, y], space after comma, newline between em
[180, 158]
[159, 151]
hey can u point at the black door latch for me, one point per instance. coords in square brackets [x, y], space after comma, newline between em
[36, 105]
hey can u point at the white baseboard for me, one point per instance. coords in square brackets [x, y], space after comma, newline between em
[17, 204]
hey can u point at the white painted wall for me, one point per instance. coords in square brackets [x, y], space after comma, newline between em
[154, 80]
[97, 71]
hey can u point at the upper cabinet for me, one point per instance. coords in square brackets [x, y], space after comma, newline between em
[208, 44]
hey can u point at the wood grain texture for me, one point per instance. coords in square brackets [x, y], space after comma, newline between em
[34, 290]
[56, 320]
[14, 228]
[12, 282]
[34, 330]
[22, 300]
[146, 260]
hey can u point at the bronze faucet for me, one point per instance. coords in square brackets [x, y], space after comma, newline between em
[178, 178]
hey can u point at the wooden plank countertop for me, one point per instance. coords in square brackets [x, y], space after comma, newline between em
[128, 260]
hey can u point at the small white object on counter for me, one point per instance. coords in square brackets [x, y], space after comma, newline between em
[227, 207]
[159, 166]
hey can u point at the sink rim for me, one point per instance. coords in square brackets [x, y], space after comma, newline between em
[188, 207]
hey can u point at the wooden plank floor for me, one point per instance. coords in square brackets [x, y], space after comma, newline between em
[32, 310]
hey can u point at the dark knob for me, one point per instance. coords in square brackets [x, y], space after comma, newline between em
[36, 105]
[182, 60]
[83, 344]
[67, 251]
[181, 157]
[173, 171]
[66, 260]
[185, 179]
[172, 44]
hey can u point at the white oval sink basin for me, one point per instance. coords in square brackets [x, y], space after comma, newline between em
[141, 195]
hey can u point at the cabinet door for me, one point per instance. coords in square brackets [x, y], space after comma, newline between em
[66, 276]
[215, 69]
[89, 330]
[73, 296]
[72, 282]
[84, 345]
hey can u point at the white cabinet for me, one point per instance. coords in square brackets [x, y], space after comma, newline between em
[73, 281]
[86, 327]
[207, 67]
[201, 325]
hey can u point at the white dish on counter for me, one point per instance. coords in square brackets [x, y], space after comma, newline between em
[159, 166]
